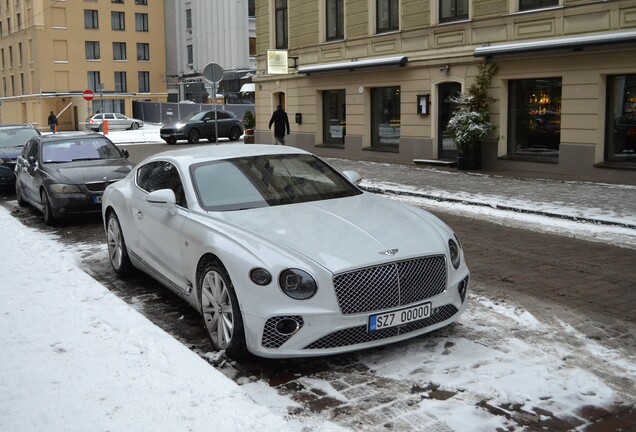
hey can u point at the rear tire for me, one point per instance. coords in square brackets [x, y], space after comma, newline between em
[220, 310]
[101, 128]
[117, 251]
[235, 134]
[194, 136]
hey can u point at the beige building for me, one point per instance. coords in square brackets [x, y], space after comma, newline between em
[373, 80]
[52, 51]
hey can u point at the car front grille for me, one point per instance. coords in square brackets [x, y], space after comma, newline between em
[356, 335]
[98, 186]
[272, 338]
[390, 285]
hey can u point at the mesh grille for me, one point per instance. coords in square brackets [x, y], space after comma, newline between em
[271, 337]
[98, 186]
[356, 335]
[390, 285]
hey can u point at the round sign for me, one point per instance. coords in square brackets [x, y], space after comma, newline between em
[213, 72]
[88, 95]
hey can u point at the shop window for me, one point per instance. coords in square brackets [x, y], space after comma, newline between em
[620, 129]
[385, 118]
[453, 10]
[535, 118]
[335, 19]
[333, 116]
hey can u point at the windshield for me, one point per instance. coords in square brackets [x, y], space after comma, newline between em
[16, 137]
[269, 180]
[192, 116]
[77, 149]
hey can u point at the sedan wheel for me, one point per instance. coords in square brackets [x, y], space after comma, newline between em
[49, 219]
[194, 136]
[235, 134]
[134, 126]
[221, 313]
[18, 197]
[117, 252]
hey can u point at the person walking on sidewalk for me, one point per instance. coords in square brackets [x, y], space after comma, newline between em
[281, 124]
[53, 122]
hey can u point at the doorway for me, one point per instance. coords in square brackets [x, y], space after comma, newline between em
[445, 144]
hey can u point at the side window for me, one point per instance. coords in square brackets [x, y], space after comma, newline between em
[223, 115]
[32, 150]
[109, 116]
[161, 175]
[120, 117]
[209, 116]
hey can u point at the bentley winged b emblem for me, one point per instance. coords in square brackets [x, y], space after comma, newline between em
[390, 252]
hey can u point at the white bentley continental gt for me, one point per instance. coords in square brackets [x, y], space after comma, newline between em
[282, 255]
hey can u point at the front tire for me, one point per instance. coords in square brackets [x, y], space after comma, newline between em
[117, 251]
[171, 141]
[18, 197]
[194, 136]
[134, 126]
[220, 310]
[47, 211]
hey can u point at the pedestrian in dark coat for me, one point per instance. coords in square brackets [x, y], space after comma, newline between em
[53, 122]
[281, 124]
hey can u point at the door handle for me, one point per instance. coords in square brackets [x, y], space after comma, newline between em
[140, 215]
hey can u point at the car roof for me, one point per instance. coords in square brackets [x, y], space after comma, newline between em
[18, 126]
[189, 156]
[70, 135]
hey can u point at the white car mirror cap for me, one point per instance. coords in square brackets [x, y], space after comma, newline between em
[353, 177]
[162, 198]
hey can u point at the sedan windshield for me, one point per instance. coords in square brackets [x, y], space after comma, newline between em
[76, 149]
[16, 136]
[268, 180]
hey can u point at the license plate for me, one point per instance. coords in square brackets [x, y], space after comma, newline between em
[399, 317]
[164, 135]
[97, 199]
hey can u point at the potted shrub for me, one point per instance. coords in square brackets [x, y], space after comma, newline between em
[470, 122]
[249, 122]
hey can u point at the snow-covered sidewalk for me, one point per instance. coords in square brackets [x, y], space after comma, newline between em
[77, 358]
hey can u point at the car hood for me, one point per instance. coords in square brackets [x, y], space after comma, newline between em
[10, 152]
[89, 171]
[346, 233]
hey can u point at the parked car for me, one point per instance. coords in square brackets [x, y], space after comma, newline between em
[281, 254]
[65, 174]
[202, 124]
[13, 137]
[115, 121]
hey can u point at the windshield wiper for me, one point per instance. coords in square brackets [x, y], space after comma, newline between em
[84, 159]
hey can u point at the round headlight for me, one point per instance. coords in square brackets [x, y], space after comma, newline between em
[260, 276]
[297, 284]
[454, 253]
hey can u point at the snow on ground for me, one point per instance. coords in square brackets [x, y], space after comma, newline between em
[77, 358]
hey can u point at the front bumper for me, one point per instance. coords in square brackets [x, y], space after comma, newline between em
[7, 176]
[71, 204]
[320, 333]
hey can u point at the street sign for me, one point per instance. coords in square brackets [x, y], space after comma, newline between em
[213, 72]
[88, 95]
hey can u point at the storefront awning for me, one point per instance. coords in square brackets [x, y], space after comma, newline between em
[354, 64]
[577, 42]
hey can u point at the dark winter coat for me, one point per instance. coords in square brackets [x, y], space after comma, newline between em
[52, 119]
[281, 123]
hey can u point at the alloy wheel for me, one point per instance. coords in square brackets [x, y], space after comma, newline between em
[216, 305]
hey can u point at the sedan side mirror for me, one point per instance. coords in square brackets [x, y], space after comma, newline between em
[353, 177]
[163, 198]
[32, 160]
[125, 153]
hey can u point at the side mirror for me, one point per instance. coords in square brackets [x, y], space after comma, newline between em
[125, 153]
[353, 177]
[163, 198]
[32, 160]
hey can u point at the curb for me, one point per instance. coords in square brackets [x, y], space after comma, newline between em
[390, 191]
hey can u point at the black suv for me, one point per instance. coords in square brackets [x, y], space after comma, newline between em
[202, 124]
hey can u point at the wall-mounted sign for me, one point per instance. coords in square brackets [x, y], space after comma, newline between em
[423, 104]
[277, 62]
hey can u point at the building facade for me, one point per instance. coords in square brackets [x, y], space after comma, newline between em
[200, 32]
[51, 52]
[374, 80]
